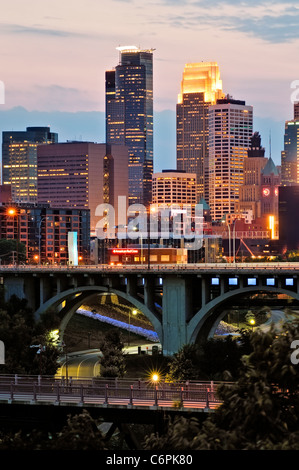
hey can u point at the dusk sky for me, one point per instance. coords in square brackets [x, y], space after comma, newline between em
[54, 55]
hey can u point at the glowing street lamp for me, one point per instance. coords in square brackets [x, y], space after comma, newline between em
[155, 377]
[134, 312]
[11, 211]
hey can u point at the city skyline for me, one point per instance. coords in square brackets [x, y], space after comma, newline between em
[252, 43]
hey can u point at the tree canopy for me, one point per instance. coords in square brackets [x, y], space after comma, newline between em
[259, 410]
[112, 358]
[22, 335]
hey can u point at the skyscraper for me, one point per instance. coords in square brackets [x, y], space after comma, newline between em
[250, 191]
[19, 160]
[290, 153]
[129, 116]
[200, 87]
[82, 175]
[172, 187]
[230, 131]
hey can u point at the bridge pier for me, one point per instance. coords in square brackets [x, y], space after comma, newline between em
[14, 286]
[176, 308]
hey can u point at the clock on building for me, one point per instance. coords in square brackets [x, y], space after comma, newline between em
[266, 191]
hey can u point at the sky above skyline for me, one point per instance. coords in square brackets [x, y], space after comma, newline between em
[54, 57]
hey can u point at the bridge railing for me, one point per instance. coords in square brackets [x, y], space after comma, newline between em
[111, 382]
[277, 265]
[103, 394]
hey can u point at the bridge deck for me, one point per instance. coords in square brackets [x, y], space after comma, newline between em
[199, 396]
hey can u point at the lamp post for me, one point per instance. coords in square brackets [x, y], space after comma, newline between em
[64, 347]
[12, 212]
[39, 237]
[134, 312]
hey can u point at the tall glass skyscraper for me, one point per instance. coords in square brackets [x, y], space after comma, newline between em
[129, 116]
[200, 87]
[290, 153]
[19, 160]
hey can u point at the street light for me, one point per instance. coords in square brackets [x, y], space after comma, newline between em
[252, 322]
[134, 312]
[40, 236]
[12, 212]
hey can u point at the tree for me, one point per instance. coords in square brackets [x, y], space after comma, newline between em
[259, 410]
[112, 358]
[219, 358]
[184, 365]
[211, 360]
[12, 251]
[19, 332]
[79, 433]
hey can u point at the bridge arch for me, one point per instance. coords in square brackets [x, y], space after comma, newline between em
[204, 322]
[74, 298]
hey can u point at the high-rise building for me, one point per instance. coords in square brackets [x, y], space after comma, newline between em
[129, 116]
[270, 182]
[288, 222]
[44, 232]
[200, 87]
[290, 153]
[250, 191]
[19, 160]
[174, 187]
[230, 131]
[82, 175]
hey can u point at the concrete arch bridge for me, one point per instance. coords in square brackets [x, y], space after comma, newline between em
[181, 301]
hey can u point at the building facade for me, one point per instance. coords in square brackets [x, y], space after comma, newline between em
[250, 191]
[19, 160]
[288, 222]
[83, 175]
[174, 187]
[129, 117]
[44, 232]
[290, 153]
[230, 131]
[200, 87]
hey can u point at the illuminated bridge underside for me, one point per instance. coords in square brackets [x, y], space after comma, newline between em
[182, 303]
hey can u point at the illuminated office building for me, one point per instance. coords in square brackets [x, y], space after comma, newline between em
[290, 153]
[173, 187]
[19, 160]
[200, 87]
[82, 175]
[230, 131]
[129, 116]
[44, 232]
[250, 191]
[288, 222]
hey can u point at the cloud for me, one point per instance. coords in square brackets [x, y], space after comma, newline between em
[37, 30]
[275, 22]
[270, 26]
[271, 29]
